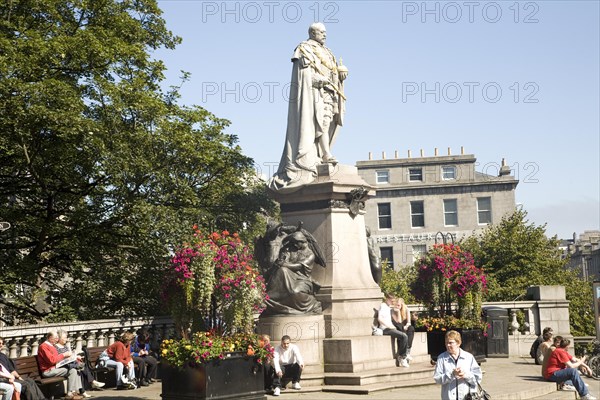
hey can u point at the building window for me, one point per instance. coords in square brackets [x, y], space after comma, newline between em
[387, 257]
[484, 210]
[448, 173]
[384, 211]
[450, 212]
[417, 214]
[415, 174]
[418, 250]
[383, 176]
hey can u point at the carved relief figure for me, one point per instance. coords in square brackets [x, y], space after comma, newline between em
[290, 287]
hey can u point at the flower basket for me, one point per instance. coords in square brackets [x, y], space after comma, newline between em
[212, 283]
[451, 286]
[214, 293]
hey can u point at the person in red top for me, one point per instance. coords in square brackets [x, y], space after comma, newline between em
[119, 354]
[48, 357]
[561, 368]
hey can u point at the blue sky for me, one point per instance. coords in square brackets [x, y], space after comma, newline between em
[518, 80]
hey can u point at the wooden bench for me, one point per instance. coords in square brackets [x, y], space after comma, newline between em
[100, 372]
[92, 355]
[28, 368]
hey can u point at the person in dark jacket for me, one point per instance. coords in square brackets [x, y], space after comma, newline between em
[29, 389]
[147, 364]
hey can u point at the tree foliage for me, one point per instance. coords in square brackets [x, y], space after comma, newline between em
[102, 172]
[516, 254]
[398, 282]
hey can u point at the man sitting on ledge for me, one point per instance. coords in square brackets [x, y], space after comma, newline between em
[288, 365]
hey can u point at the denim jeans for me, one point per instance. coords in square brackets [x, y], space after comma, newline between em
[571, 374]
[401, 339]
[119, 370]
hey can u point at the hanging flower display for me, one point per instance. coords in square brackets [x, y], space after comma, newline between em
[212, 283]
[447, 275]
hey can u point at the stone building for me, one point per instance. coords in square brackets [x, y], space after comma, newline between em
[418, 197]
[584, 254]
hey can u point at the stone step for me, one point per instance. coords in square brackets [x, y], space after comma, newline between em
[390, 376]
[376, 387]
[310, 381]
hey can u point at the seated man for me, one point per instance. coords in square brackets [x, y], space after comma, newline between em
[386, 324]
[288, 364]
[140, 351]
[562, 367]
[48, 357]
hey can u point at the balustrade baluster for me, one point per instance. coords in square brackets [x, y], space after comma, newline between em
[101, 338]
[111, 337]
[12, 349]
[91, 339]
[77, 345]
[35, 344]
[24, 347]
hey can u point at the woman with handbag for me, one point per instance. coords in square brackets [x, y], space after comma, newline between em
[456, 369]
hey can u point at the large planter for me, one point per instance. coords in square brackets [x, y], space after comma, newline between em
[235, 377]
[473, 341]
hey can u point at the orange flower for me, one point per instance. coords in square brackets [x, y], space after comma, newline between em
[250, 351]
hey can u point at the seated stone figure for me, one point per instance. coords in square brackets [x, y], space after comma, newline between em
[290, 287]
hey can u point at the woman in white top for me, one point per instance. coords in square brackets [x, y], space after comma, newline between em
[401, 320]
[8, 384]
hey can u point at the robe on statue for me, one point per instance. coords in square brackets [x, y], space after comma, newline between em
[301, 155]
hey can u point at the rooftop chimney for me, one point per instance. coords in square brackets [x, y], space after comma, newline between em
[504, 169]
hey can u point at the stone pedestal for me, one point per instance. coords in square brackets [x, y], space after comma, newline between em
[332, 209]
[307, 331]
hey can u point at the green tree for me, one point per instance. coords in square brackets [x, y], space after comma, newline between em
[516, 254]
[102, 172]
[399, 282]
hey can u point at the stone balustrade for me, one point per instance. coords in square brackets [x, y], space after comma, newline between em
[21, 341]
[547, 306]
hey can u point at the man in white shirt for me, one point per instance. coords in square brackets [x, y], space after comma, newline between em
[386, 324]
[288, 364]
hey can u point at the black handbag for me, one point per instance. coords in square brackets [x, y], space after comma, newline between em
[480, 394]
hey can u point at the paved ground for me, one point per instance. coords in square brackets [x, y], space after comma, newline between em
[504, 379]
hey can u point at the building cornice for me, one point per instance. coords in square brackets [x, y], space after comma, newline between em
[459, 188]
